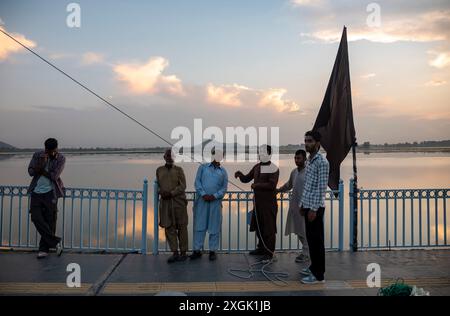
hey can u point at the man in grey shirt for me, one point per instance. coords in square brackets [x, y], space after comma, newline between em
[45, 188]
[295, 222]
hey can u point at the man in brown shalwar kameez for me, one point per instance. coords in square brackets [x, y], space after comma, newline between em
[264, 218]
[173, 206]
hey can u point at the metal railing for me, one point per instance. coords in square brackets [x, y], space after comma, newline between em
[235, 235]
[88, 219]
[401, 218]
[116, 219]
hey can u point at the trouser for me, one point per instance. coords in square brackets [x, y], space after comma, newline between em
[266, 240]
[199, 239]
[177, 236]
[43, 209]
[304, 241]
[315, 238]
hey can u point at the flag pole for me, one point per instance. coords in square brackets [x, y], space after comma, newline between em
[355, 200]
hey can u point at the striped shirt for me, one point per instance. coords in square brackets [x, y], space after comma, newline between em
[316, 182]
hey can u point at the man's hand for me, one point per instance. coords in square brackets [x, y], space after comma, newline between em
[38, 170]
[166, 195]
[43, 158]
[238, 174]
[302, 211]
[208, 197]
[312, 216]
[42, 161]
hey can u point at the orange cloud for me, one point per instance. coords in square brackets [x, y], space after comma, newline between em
[225, 94]
[274, 98]
[8, 46]
[148, 77]
[237, 95]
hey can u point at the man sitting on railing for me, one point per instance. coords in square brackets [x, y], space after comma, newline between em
[173, 206]
[295, 222]
[45, 188]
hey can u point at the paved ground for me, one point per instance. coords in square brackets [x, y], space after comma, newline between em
[133, 274]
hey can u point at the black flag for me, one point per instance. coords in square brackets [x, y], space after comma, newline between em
[335, 119]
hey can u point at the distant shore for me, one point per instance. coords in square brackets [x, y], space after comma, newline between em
[290, 150]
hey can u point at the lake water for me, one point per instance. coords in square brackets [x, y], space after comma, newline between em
[127, 171]
[378, 170]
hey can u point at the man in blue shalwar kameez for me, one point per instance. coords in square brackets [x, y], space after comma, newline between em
[210, 185]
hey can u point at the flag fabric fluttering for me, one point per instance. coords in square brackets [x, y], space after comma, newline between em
[335, 119]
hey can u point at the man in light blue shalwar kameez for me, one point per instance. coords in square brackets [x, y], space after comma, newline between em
[210, 185]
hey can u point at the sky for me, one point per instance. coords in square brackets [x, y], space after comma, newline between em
[230, 63]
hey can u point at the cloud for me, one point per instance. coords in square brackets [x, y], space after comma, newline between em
[225, 94]
[435, 83]
[235, 95]
[421, 28]
[368, 76]
[439, 59]
[91, 58]
[274, 98]
[412, 21]
[301, 3]
[147, 78]
[8, 46]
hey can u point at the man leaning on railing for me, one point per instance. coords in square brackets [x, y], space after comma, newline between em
[45, 188]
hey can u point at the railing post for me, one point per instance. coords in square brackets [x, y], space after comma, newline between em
[155, 218]
[350, 189]
[341, 215]
[144, 218]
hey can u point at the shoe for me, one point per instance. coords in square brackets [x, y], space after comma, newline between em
[301, 258]
[195, 255]
[311, 279]
[42, 254]
[257, 252]
[173, 258]
[182, 257]
[212, 255]
[59, 249]
[267, 257]
[306, 272]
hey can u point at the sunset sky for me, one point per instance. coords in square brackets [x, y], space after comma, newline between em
[231, 63]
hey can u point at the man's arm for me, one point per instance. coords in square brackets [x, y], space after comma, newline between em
[198, 182]
[323, 171]
[181, 187]
[288, 185]
[223, 189]
[247, 177]
[32, 166]
[55, 173]
[35, 166]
